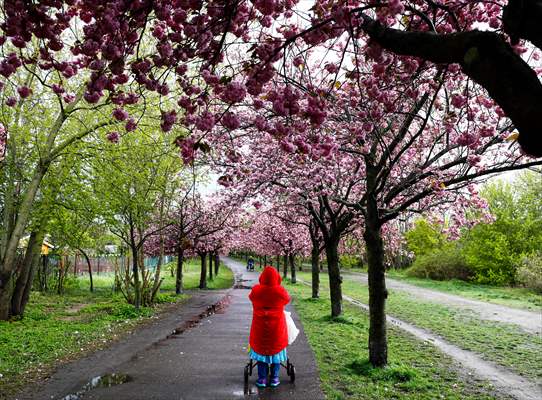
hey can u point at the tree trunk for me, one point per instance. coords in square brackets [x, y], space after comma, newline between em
[26, 275]
[292, 268]
[378, 347]
[179, 277]
[264, 261]
[5, 297]
[278, 263]
[135, 273]
[157, 271]
[217, 262]
[285, 267]
[89, 265]
[203, 276]
[98, 265]
[335, 279]
[7, 265]
[210, 266]
[315, 267]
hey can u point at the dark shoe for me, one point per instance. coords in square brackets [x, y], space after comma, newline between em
[261, 383]
[274, 382]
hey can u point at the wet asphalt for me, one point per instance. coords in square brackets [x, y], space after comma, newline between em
[201, 361]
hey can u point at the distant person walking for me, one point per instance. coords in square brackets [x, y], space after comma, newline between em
[268, 333]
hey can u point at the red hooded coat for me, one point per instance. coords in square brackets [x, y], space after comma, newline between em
[268, 333]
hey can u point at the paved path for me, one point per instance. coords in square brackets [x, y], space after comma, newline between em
[527, 320]
[205, 361]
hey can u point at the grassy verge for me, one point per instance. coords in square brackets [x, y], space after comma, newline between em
[516, 297]
[61, 328]
[504, 344]
[191, 277]
[416, 371]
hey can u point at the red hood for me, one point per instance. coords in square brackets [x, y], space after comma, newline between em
[270, 277]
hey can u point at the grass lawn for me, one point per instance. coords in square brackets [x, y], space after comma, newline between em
[416, 371]
[517, 297]
[191, 276]
[60, 328]
[504, 344]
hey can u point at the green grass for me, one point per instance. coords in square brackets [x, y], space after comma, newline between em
[416, 369]
[517, 297]
[191, 277]
[504, 344]
[60, 328]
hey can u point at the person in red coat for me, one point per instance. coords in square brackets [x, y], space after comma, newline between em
[268, 333]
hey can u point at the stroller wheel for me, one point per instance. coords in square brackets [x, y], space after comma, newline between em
[292, 373]
[246, 375]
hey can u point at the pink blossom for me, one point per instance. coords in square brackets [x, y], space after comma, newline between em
[206, 121]
[131, 125]
[234, 92]
[119, 114]
[167, 120]
[230, 121]
[113, 137]
[458, 100]
[24, 91]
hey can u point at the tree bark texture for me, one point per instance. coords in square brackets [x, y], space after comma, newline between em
[179, 274]
[26, 274]
[89, 265]
[315, 268]
[217, 262]
[292, 268]
[335, 279]
[203, 275]
[211, 266]
[378, 344]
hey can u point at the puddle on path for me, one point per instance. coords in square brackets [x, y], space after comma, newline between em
[106, 380]
[217, 308]
[246, 392]
[239, 282]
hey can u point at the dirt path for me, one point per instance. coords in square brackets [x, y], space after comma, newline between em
[198, 354]
[527, 320]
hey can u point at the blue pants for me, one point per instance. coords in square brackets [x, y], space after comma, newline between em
[263, 369]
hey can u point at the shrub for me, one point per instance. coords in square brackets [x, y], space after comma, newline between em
[348, 261]
[488, 253]
[441, 264]
[529, 272]
[423, 238]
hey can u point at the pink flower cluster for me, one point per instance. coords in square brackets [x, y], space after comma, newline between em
[285, 102]
[230, 120]
[316, 110]
[113, 137]
[234, 92]
[188, 151]
[119, 114]
[168, 119]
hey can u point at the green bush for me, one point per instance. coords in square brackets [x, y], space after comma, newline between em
[529, 272]
[348, 261]
[423, 238]
[488, 253]
[441, 264]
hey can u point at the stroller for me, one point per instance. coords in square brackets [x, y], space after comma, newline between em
[250, 264]
[290, 370]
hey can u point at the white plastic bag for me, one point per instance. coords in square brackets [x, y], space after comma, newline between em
[292, 329]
